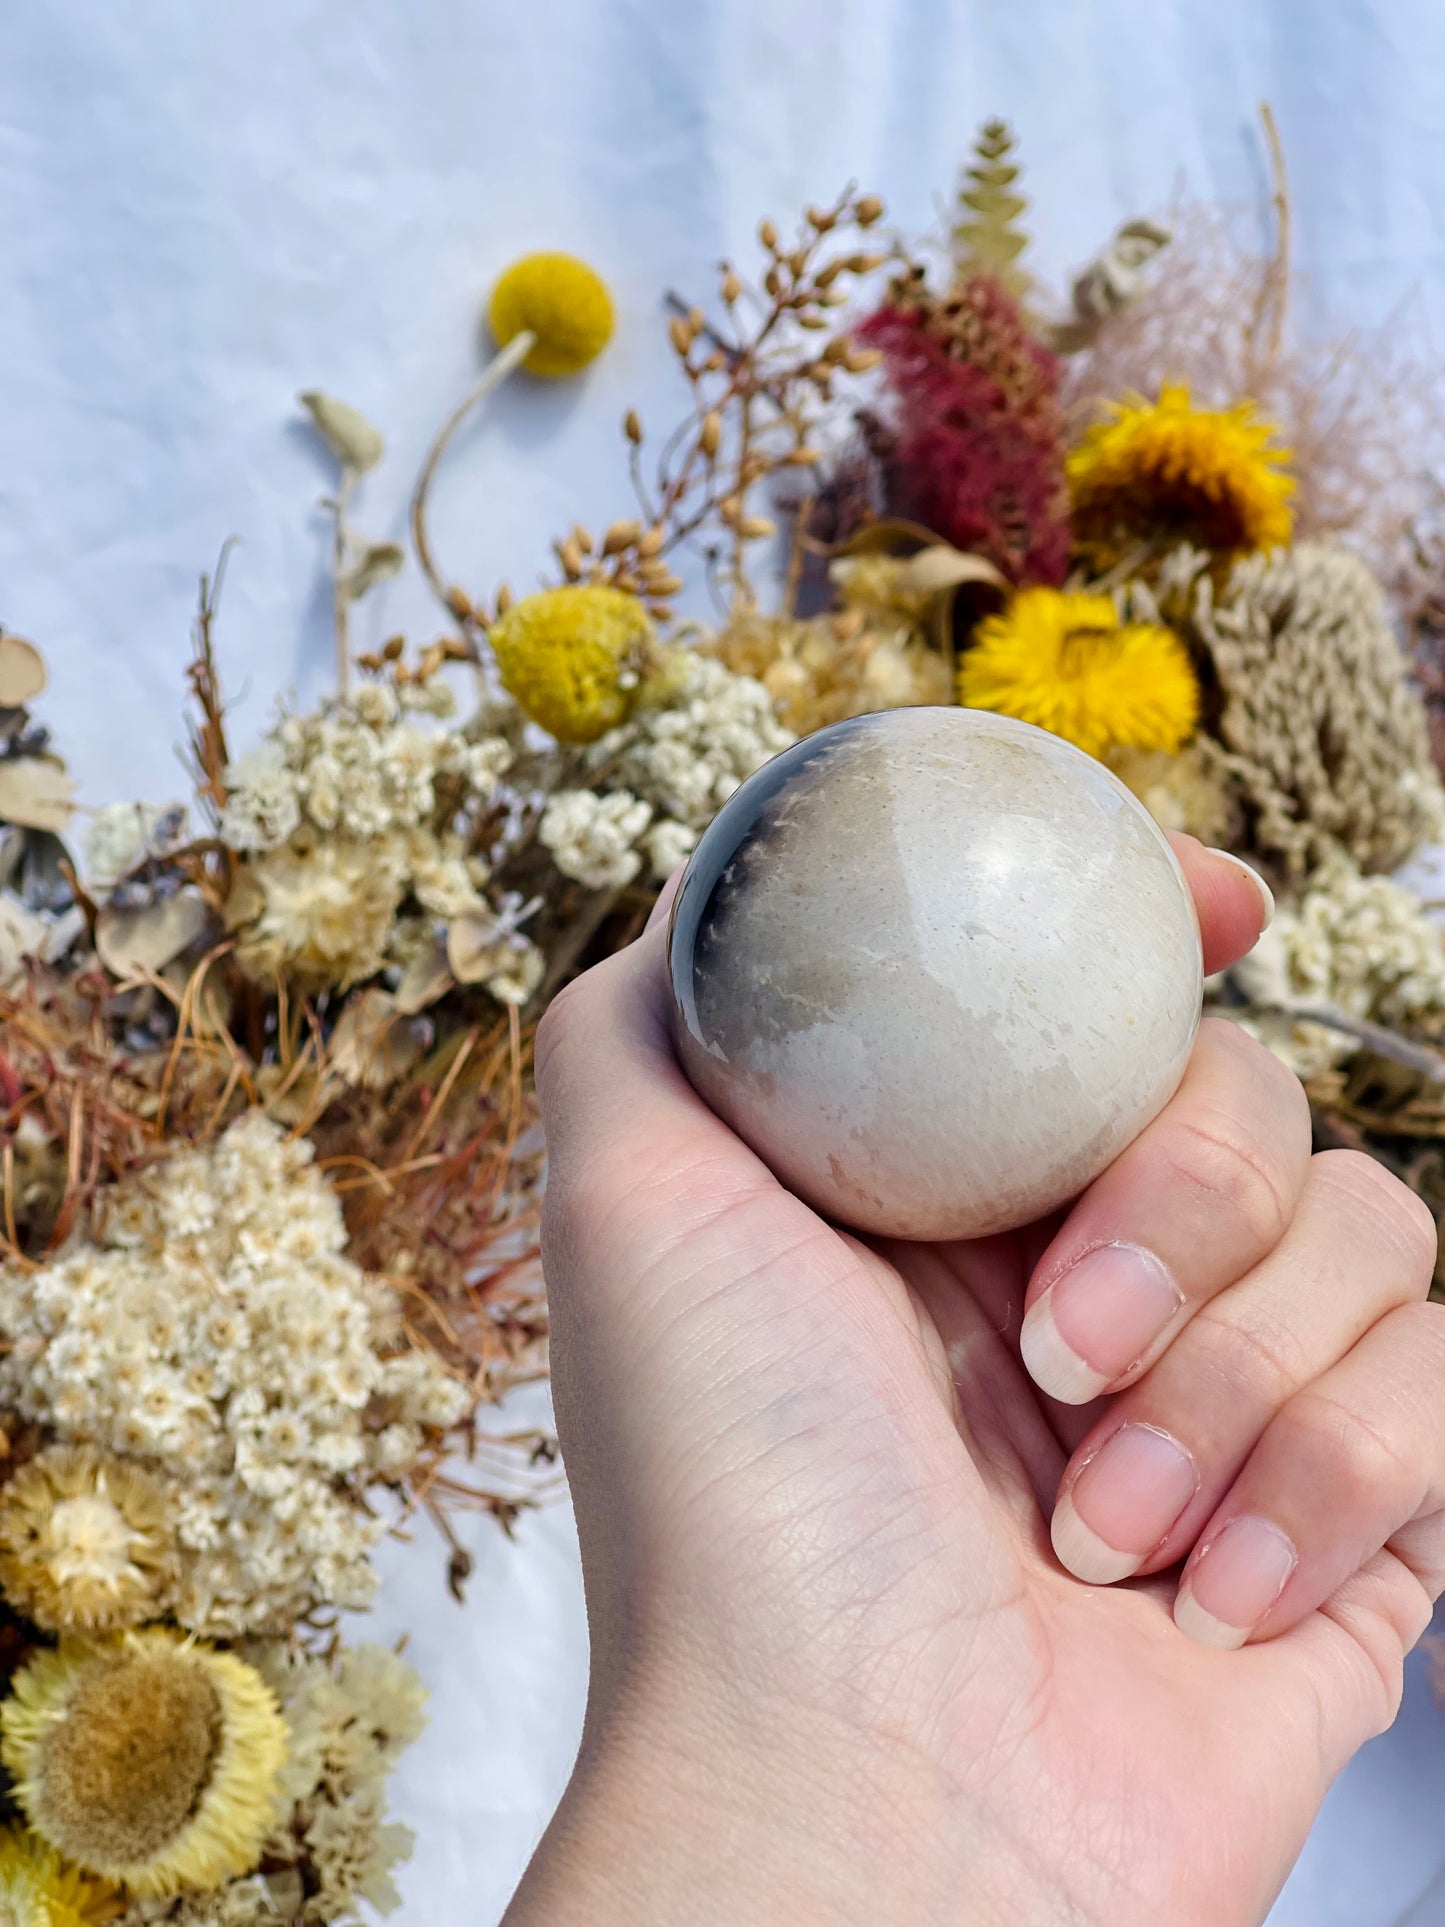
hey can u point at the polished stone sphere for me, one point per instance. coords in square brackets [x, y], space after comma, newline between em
[937, 968]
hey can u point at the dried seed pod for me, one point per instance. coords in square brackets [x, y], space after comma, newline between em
[753, 528]
[371, 663]
[620, 536]
[394, 648]
[460, 604]
[715, 362]
[729, 509]
[825, 277]
[821, 219]
[627, 581]
[797, 261]
[710, 435]
[582, 538]
[832, 297]
[678, 335]
[665, 585]
[457, 651]
[570, 556]
[650, 541]
[768, 235]
[696, 321]
[732, 287]
[804, 457]
[632, 426]
[773, 281]
[868, 210]
[504, 599]
[812, 319]
[837, 351]
[662, 611]
[858, 361]
[431, 660]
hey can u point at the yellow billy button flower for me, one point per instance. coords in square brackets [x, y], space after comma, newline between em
[574, 657]
[1067, 664]
[1166, 472]
[559, 300]
[151, 1760]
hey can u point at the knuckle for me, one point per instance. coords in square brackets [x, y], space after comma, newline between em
[1262, 1361]
[1218, 1158]
[1366, 1462]
[1383, 1208]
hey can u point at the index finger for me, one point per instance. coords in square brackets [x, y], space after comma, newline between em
[1233, 902]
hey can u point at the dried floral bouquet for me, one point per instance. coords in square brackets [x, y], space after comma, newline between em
[270, 1158]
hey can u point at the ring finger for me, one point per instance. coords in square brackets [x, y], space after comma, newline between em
[1149, 1474]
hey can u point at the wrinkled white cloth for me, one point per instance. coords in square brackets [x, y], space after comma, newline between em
[207, 208]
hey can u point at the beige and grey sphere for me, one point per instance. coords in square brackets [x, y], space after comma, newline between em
[937, 967]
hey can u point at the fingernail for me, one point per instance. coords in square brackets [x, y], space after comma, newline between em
[1235, 1581]
[1122, 1503]
[1266, 895]
[1096, 1321]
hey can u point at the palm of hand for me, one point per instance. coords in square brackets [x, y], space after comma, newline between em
[867, 1441]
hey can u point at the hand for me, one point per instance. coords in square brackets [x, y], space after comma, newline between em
[840, 1673]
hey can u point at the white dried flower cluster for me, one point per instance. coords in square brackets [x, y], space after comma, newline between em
[688, 757]
[216, 1329]
[1362, 946]
[592, 836]
[359, 768]
[120, 837]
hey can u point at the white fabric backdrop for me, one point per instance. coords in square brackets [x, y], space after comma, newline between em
[205, 208]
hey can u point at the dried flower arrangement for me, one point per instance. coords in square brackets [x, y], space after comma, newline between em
[269, 1162]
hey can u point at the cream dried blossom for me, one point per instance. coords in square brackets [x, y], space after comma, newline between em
[215, 1327]
[318, 912]
[87, 1541]
[1324, 739]
[592, 835]
[687, 755]
[1363, 947]
[669, 844]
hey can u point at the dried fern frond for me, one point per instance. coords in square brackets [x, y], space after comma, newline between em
[988, 239]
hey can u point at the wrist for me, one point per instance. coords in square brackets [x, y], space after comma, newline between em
[714, 1810]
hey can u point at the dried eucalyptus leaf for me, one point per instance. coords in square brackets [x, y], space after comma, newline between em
[379, 560]
[22, 672]
[476, 948]
[350, 436]
[372, 1045]
[936, 569]
[427, 977]
[144, 941]
[22, 935]
[36, 792]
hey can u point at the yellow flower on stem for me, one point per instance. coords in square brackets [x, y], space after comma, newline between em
[151, 1760]
[38, 1890]
[1067, 664]
[562, 303]
[574, 657]
[1168, 472]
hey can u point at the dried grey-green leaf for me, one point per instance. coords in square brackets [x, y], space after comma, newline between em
[354, 441]
[146, 940]
[22, 672]
[377, 562]
[35, 792]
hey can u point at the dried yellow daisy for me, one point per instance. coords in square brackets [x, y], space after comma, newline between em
[574, 657]
[85, 1541]
[38, 1890]
[149, 1760]
[1168, 472]
[1067, 664]
[561, 301]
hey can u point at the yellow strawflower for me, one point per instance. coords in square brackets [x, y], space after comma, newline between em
[1067, 664]
[151, 1760]
[574, 657]
[38, 1890]
[563, 302]
[1167, 471]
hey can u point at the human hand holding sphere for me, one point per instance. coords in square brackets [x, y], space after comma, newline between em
[840, 1671]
